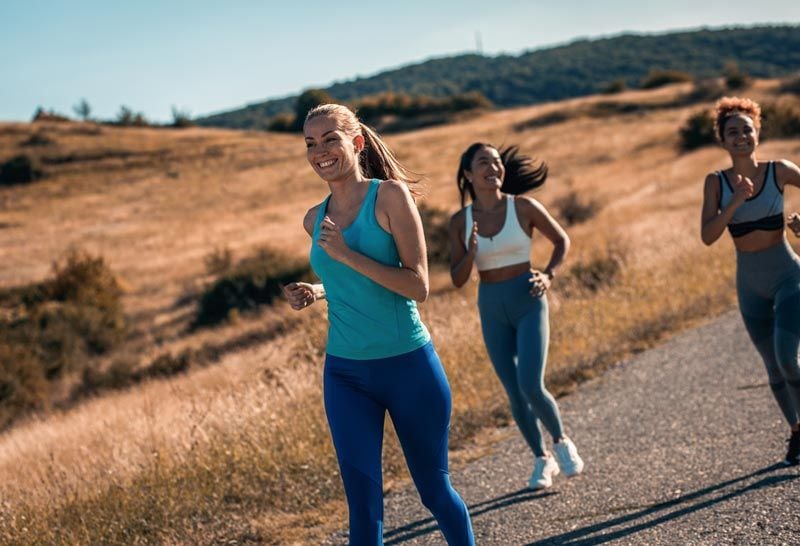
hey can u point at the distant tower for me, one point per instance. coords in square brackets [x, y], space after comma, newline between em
[478, 42]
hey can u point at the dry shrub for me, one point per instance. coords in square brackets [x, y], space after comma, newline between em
[614, 87]
[20, 169]
[435, 223]
[698, 131]
[781, 118]
[38, 139]
[219, 261]
[659, 78]
[53, 328]
[575, 209]
[23, 386]
[706, 91]
[601, 270]
[791, 85]
[251, 283]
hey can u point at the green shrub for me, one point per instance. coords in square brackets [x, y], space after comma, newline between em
[253, 282]
[20, 169]
[698, 131]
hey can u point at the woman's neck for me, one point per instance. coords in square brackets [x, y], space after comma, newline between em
[745, 165]
[488, 201]
[347, 192]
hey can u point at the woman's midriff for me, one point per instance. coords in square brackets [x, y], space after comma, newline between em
[758, 240]
[504, 273]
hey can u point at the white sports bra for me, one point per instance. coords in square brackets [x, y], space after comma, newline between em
[509, 247]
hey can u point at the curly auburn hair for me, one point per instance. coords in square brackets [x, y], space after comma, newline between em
[728, 107]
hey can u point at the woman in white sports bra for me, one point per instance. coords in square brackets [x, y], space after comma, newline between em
[747, 198]
[494, 233]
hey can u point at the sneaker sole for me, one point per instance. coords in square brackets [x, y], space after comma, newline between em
[571, 473]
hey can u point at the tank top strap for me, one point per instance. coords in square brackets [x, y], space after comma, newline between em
[772, 174]
[323, 209]
[467, 224]
[367, 211]
[511, 212]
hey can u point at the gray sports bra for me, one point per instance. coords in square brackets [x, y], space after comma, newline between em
[763, 211]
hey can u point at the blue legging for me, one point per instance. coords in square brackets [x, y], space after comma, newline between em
[768, 286]
[516, 332]
[413, 388]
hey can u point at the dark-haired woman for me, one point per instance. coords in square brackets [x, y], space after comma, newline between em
[369, 251]
[494, 233]
[747, 199]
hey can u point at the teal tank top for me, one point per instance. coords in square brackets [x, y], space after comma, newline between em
[366, 320]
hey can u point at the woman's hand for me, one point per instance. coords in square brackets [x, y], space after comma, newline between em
[742, 189]
[794, 224]
[540, 283]
[332, 240]
[472, 244]
[300, 294]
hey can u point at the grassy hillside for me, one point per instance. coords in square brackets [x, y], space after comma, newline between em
[235, 449]
[580, 68]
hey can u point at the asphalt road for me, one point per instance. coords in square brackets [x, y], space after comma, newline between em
[681, 445]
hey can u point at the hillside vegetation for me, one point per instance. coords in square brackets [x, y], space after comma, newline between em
[577, 69]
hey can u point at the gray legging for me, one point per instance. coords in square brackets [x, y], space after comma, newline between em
[516, 331]
[768, 283]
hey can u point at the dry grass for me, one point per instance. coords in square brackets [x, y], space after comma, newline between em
[239, 451]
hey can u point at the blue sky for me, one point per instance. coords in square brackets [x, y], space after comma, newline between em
[202, 56]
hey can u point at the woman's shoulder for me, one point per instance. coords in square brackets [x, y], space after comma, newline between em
[784, 165]
[714, 177]
[526, 204]
[311, 218]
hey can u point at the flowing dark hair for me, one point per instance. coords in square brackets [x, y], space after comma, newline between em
[522, 172]
[376, 160]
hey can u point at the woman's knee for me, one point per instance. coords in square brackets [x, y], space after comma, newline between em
[436, 493]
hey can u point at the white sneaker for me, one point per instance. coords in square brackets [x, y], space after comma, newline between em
[568, 459]
[544, 468]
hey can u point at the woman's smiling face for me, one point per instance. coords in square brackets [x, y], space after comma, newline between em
[739, 135]
[487, 170]
[331, 152]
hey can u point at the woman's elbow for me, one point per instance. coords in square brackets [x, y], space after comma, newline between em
[422, 293]
[707, 238]
[457, 282]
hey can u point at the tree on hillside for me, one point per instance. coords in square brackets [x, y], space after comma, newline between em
[83, 110]
[128, 118]
[181, 118]
[307, 100]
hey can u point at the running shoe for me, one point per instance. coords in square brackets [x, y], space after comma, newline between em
[793, 454]
[568, 459]
[544, 468]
